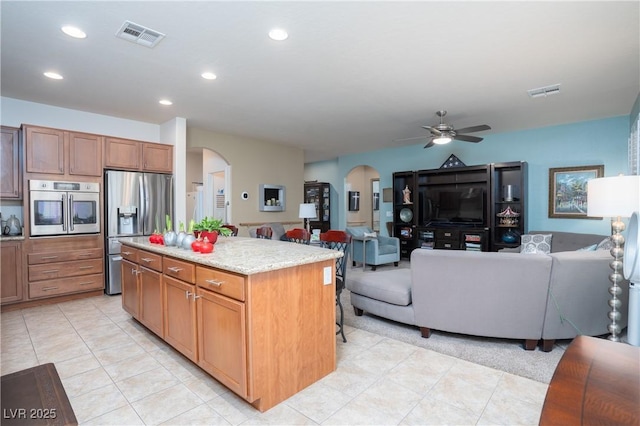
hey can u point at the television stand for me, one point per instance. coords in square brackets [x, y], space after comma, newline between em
[454, 237]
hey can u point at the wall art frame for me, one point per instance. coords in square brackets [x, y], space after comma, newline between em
[568, 191]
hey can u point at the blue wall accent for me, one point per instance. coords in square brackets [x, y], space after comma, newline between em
[579, 144]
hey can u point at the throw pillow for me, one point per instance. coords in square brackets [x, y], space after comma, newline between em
[535, 243]
[370, 234]
[605, 244]
[588, 248]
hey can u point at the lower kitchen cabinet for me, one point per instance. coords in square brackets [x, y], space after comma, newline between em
[130, 288]
[11, 272]
[222, 354]
[151, 300]
[180, 327]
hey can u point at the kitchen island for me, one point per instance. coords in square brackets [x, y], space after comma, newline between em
[257, 315]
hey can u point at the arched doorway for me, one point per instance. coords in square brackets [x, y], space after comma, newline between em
[362, 189]
[208, 185]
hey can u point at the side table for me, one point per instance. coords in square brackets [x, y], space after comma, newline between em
[364, 249]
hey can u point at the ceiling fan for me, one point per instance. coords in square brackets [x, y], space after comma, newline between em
[444, 133]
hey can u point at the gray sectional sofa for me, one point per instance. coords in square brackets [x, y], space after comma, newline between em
[534, 297]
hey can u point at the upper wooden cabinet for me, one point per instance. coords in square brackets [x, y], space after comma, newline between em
[134, 155]
[10, 164]
[59, 152]
[157, 157]
[85, 154]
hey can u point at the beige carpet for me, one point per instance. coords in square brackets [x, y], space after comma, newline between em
[501, 354]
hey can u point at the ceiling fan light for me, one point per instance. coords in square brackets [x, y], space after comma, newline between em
[441, 140]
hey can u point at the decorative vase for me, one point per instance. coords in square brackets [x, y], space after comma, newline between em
[211, 235]
[509, 237]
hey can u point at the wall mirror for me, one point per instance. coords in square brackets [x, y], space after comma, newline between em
[375, 204]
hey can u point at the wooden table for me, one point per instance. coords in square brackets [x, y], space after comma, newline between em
[596, 382]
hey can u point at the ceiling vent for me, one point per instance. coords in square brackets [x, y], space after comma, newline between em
[544, 91]
[139, 34]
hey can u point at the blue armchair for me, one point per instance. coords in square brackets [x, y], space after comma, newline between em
[379, 250]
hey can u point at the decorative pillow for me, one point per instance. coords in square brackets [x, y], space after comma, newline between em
[535, 243]
[605, 244]
[370, 234]
[588, 248]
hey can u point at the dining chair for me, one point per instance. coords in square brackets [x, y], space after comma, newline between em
[298, 235]
[338, 240]
[234, 229]
[264, 232]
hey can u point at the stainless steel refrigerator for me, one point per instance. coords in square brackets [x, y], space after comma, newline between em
[135, 205]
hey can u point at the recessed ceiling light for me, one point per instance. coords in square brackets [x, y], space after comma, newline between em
[73, 32]
[278, 34]
[166, 102]
[209, 75]
[53, 75]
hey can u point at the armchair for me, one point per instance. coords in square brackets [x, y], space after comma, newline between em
[378, 250]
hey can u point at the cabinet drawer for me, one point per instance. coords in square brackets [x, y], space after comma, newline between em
[62, 256]
[65, 285]
[181, 270]
[449, 235]
[129, 253]
[49, 271]
[221, 282]
[150, 260]
[448, 245]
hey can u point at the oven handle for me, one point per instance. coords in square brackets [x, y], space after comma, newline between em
[70, 213]
[64, 212]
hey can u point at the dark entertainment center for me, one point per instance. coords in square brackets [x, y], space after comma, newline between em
[479, 208]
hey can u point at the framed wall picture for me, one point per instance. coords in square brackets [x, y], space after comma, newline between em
[354, 201]
[568, 191]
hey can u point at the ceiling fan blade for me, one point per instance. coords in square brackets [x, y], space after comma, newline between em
[467, 138]
[433, 130]
[430, 144]
[410, 139]
[474, 129]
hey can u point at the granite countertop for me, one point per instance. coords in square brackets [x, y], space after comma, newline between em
[11, 238]
[243, 255]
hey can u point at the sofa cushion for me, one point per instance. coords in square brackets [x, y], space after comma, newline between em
[358, 231]
[392, 286]
[386, 249]
[536, 243]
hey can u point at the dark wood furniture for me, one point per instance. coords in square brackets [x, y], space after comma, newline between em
[596, 382]
[264, 232]
[35, 396]
[319, 193]
[417, 221]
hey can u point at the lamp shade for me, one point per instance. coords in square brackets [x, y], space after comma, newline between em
[613, 196]
[307, 211]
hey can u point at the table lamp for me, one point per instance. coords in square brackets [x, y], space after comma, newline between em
[307, 211]
[615, 197]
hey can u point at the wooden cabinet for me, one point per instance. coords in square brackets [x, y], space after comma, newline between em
[11, 272]
[44, 150]
[180, 320]
[121, 154]
[85, 154]
[157, 157]
[135, 155]
[58, 272]
[319, 193]
[150, 277]
[130, 287]
[10, 164]
[59, 152]
[222, 354]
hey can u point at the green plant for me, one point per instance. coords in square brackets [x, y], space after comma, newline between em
[211, 224]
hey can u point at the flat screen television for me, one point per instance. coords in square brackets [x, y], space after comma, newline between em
[453, 206]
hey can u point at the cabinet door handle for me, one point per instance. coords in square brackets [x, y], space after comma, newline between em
[49, 288]
[214, 282]
[50, 271]
[85, 267]
[146, 259]
[196, 297]
[174, 269]
[87, 283]
[188, 293]
[85, 255]
[126, 253]
[135, 272]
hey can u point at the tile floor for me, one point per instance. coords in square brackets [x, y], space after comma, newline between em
[115, 372]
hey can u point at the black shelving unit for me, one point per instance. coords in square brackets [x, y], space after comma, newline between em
[508, 210]
[319, 193]
[405, 212]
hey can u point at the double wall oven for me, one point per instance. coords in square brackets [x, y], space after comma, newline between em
[62, 207]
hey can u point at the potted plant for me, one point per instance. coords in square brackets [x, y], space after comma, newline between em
[210, 228]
